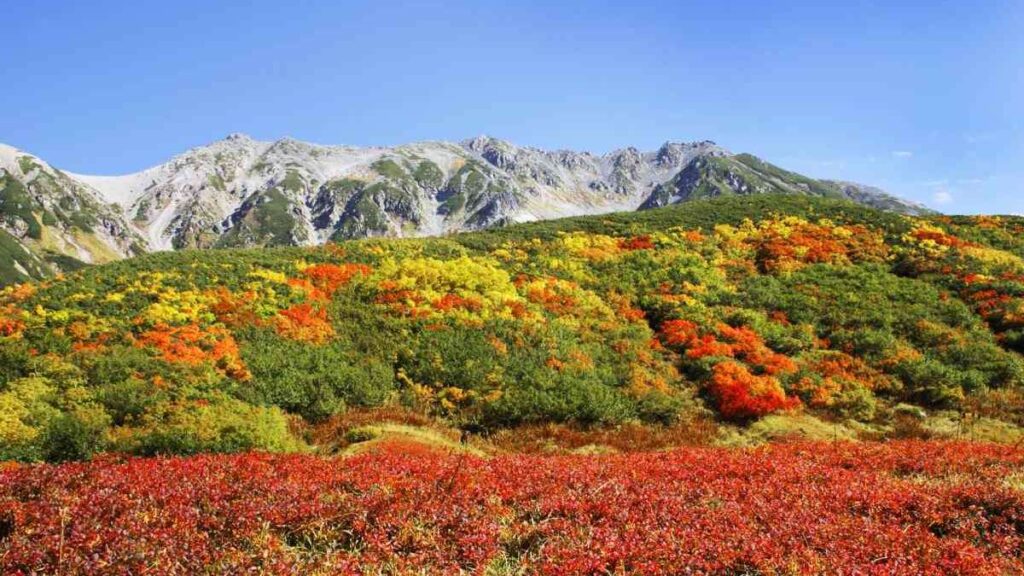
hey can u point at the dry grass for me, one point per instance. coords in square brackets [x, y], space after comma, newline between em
[407, 439]
[561, 438]
[1006, 405]
[397, 428]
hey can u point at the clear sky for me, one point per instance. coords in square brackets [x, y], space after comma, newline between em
[925, 99]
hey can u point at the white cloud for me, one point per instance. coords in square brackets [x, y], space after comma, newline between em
[942, 197]
[902, 154]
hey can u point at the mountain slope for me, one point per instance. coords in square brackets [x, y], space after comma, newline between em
[51, 221]
[742, 309]
[243, 192]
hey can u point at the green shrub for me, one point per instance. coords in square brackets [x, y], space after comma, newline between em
[75, 435]
[312, 381]
[219, 424]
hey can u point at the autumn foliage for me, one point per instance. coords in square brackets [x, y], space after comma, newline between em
[305, 323]
[328, 278]
[895, 508]
[193, 345]
[741, 308]
[739, 393]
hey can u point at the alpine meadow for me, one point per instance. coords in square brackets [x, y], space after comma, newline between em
[725, 322]
[569, 288]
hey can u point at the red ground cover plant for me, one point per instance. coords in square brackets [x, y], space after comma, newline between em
[906, 507]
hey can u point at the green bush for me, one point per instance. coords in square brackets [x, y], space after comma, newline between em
[312, 381]
[75, 436]
[219, 424]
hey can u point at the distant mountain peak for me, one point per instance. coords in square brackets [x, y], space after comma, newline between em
[240, 191]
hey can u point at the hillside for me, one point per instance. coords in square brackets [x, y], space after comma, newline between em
[733, 308]
[240, 192]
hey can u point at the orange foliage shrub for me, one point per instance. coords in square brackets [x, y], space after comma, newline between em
[636, 243]
[845, 367]
[624, 308]
[401, 301]
[787, 244]
[748, 346]
[551, 297]
[740, 343]
[21, 292]
[838, 370]
[679, 333]
[193, 345]
[328, 278]
[741, 395]
[450, 302]
[305, 323]
[234, 309]
[692, 236]
[939, 237]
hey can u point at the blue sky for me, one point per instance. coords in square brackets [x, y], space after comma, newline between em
[925, 99]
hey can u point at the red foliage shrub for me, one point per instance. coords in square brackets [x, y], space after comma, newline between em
[739, 393]
[682, 333]
[11, 326]
[748, 346]
[636, 243]
[741, 343]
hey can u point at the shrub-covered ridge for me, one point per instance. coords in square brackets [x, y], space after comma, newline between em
[744, 307]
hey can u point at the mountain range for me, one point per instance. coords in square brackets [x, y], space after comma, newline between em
[243, 192]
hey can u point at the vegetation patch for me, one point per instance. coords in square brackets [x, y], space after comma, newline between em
[838, 506]
[826, 321]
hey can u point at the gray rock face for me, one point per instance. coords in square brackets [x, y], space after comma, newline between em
[50, 221]
[243, 192]
[878, 198]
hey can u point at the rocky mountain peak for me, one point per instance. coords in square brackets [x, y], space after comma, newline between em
[480, 143]
[241, 191]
